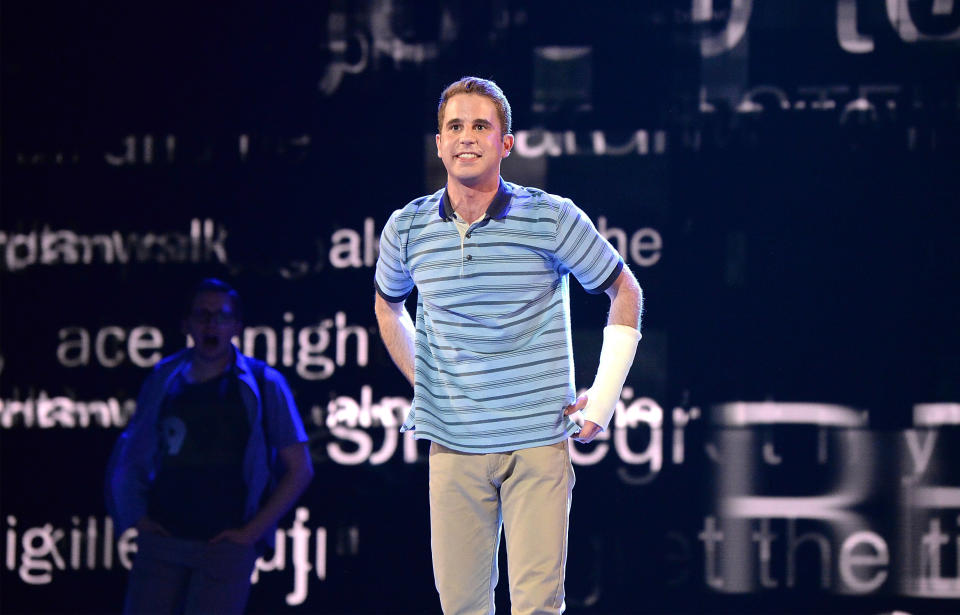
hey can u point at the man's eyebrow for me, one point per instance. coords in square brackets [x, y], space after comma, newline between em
[457, 120]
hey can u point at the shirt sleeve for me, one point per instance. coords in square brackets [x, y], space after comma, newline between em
[393, 280]
[283, 423]
[131, 463]
[582, 251]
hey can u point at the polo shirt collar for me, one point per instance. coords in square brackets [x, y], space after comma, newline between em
[497, 209]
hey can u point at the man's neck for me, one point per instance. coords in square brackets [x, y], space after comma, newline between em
[202, 370]
[471, 202]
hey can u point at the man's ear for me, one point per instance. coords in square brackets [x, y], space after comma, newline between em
[507, 145]
[183, 329]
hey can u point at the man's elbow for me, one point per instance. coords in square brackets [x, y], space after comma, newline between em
[630, 282]
[298, 465]
[628, 300]
[302, 476]
[305, 471]
[626, 285]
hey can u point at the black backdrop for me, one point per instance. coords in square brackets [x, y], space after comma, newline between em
[781, 177]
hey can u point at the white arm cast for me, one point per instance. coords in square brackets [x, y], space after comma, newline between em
[616, 357]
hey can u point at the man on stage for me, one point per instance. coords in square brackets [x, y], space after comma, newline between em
[194, 468]
[490, 355]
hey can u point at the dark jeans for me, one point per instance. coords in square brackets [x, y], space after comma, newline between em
[173, 575]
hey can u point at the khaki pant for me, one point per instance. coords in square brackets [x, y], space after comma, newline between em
[471, 495]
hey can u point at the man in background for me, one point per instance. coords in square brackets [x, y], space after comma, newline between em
[194, 471]
[490, 356]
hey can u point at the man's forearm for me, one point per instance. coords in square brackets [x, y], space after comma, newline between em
[398, 333]
[620, 339]
[298, 472]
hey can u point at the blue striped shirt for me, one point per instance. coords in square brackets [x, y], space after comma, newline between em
[494, 360]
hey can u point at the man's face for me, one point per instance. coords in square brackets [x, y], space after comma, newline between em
[471, 143]
[211, 323]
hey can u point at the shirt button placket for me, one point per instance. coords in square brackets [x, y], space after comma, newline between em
[469, 234]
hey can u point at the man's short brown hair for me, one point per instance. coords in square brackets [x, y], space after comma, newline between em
[483, 87]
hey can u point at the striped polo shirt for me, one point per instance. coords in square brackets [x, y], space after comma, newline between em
[494, 360]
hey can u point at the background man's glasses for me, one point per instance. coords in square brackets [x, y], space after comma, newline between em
[205, 316]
